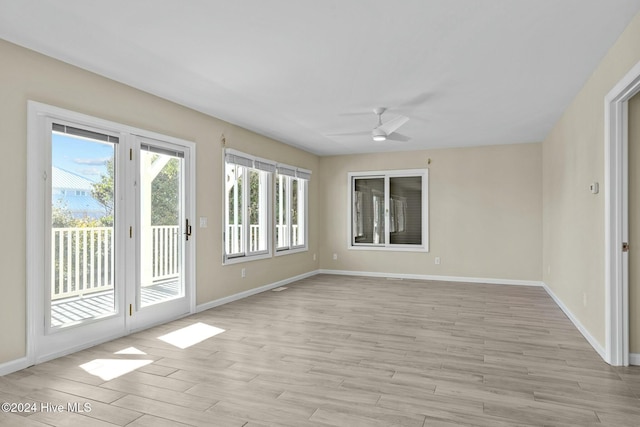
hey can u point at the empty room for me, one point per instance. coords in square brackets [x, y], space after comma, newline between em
[320, 213]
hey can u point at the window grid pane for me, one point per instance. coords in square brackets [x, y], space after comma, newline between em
[233, 210]
[299, 196]
[257, 211]
[295, 211]
[282, 212]
[405, 210]
[368, 211]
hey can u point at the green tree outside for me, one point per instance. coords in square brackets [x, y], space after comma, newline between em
[165, 191]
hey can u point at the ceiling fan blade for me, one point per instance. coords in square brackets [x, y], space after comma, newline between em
[393, 124]
[398, 137]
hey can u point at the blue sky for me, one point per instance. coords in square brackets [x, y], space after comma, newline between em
[81, 156]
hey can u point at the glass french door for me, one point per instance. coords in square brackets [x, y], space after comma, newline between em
[83, 226]
[164, 232]
[115, 234]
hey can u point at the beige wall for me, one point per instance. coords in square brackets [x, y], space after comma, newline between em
[573, 218]
[634, 224]
[25, 75]
[485, 209]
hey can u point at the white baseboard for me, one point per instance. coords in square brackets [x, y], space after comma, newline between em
[492, 281]
[245, 294]
[634, 359]
[585, 333]
[14, 365]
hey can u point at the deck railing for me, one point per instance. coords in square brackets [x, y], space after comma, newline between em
[166, 254]
[82, 259]
[235, 238]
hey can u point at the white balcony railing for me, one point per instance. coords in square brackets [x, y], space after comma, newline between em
[166, 255]
[235, 238]
[82, 259]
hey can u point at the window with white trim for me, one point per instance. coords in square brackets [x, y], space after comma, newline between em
[247, 231]
[291, 214]
[388, 210]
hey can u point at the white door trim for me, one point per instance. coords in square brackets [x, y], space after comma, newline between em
[616, 217]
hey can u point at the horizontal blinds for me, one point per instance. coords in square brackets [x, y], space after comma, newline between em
[242, 159]
[159, 150]
[286, 170]
[303, 174]
[238, 158]
[84, 133]
[264, 166]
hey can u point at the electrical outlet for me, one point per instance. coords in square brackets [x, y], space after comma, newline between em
[314, 257]
[335, 257]
[243, 273]
[437, 260]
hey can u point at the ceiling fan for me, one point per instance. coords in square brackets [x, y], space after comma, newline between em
[383, 131]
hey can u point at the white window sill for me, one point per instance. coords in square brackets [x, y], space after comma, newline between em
[291, 251]
[245, 258]
[392, 248]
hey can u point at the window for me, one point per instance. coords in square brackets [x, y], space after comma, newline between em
[247, 202]
[389, 210]
[291, 208]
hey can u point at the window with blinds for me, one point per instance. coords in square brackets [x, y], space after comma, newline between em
[291, 207]
[388, 210]
[251, 218]
[247, 195]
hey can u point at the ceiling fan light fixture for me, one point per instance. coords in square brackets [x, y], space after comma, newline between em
[378, 135]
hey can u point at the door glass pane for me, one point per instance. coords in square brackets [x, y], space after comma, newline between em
[161, 215]
[368, 211]
[82, 250]
[282, 208]
[405, 210]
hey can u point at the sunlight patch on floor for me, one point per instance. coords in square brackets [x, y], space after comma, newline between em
[130, 350]
[191, 335]
[108, 369]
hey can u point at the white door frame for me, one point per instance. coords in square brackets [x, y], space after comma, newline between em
[36, 229]
[616, 217]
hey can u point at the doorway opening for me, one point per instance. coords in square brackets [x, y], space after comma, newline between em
[617, 218]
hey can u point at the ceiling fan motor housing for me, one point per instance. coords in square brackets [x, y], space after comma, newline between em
[378, 135]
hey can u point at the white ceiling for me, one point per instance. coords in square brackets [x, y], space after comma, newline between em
[466, 72]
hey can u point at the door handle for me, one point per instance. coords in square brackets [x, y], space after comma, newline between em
[187, 231]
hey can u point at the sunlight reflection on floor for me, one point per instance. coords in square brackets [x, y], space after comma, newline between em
[190, 335]
[108, 369]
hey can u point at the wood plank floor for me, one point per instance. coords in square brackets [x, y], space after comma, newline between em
[344, 351]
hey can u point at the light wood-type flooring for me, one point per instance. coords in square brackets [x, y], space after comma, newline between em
[343, 351]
